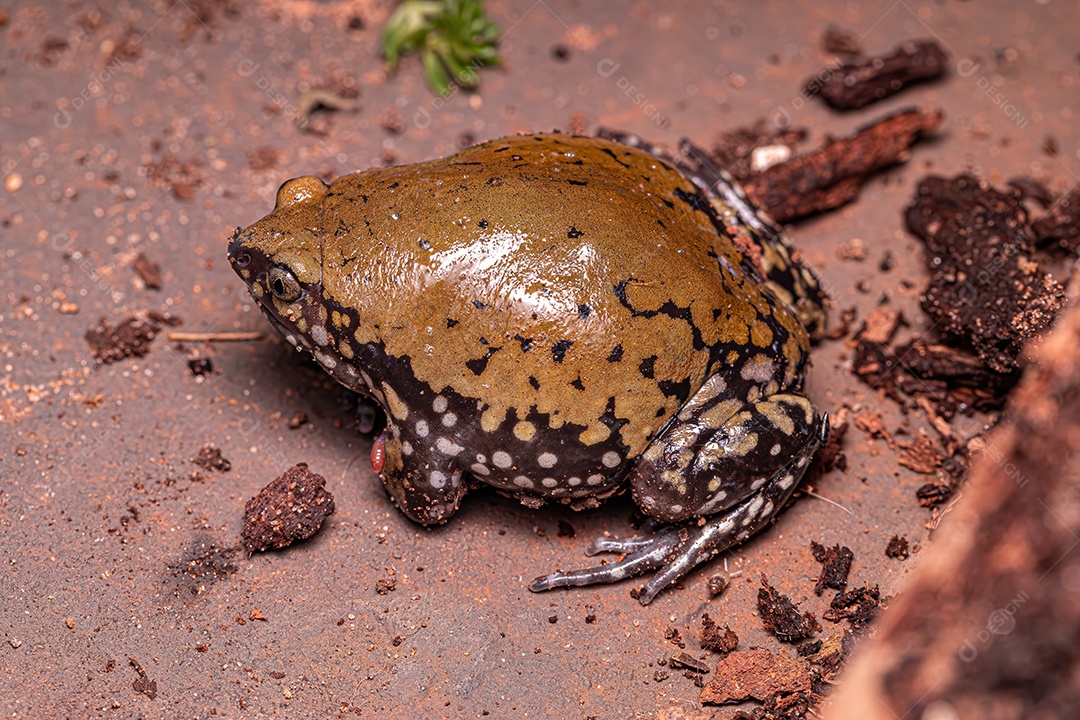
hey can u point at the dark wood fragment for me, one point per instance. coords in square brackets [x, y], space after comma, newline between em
[832, 176]
[852, 86]
[148, 271]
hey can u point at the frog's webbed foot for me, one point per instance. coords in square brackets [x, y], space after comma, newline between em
[674, 550]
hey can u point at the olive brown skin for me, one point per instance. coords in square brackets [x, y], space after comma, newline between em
[559, 317]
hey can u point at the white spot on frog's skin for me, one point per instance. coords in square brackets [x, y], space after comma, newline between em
[786, 482]
[549, 482]
[725, 527]
[756, 485]
[439, 404]
[610, 459]
[594, 479]
[318, 334]
[406, 448]
[676, 509]
[325, 360]
[502, 459]
[481, 458]
[449, 419]
[421, 428]
[523, 482]
[765, 511]
[753, 509]
[292, 340]
[480, 469]
[437, 479]
[448, 447]
[775, 449]
[574, 481]
[547, 460]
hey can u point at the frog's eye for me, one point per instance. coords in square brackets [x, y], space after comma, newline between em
[283, 284]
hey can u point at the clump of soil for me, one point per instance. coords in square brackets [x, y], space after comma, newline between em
[211, 459]
[835, 566]
[131, 338]
[289, 509]
[986, 291]
[715, 638]
[148, 271]
[859, 606]
[780, 616]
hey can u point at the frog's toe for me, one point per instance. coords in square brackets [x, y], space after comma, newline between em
[617, 545]
[675, 550]
[652, 554]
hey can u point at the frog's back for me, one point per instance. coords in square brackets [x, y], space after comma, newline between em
[566, 277]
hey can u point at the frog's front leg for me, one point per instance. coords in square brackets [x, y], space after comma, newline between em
[734, 462]
[421, 477]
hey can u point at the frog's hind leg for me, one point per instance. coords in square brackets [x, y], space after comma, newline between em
[736, 462]
[677, 549]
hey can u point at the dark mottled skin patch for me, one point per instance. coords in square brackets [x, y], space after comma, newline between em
[558, 350]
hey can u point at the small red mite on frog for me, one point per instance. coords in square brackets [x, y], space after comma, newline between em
[561, 318]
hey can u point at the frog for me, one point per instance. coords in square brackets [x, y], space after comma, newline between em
[564, 318]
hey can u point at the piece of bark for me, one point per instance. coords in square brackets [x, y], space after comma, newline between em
[921, 455]
[989, 625]
[755, 673]
[852, 86]
[833, 175]
[148, 271]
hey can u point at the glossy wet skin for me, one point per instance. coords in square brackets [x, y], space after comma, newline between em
[552, 315]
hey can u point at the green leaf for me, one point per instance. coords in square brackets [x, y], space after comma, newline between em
[453, 37]
[437, 78]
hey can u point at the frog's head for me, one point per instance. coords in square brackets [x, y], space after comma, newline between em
[280, 259]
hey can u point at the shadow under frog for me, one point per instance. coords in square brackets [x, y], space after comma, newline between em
[561, 318]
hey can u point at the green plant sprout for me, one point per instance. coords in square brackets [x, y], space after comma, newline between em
[454, 38]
